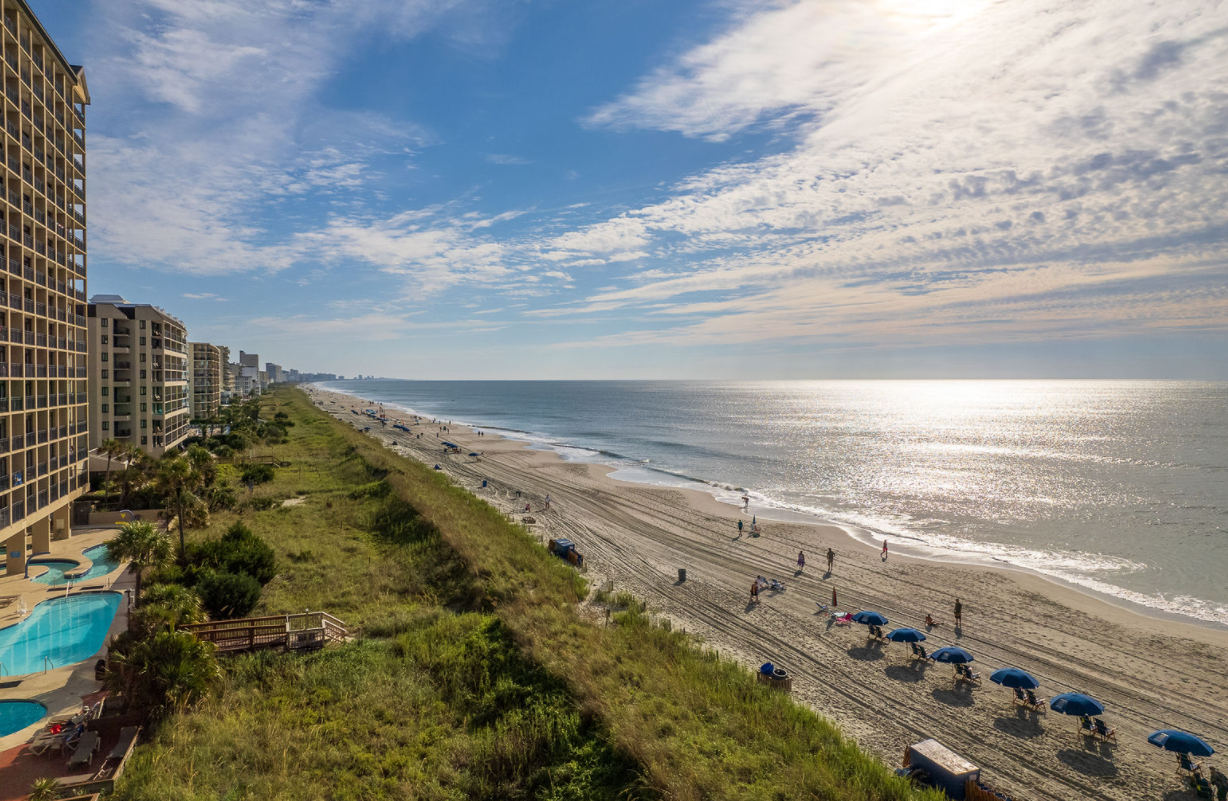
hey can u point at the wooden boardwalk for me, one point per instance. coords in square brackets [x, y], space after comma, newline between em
[302, 632]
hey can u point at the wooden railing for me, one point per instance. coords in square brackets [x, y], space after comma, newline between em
[305, 631]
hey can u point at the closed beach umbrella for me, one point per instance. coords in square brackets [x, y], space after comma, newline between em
[952, 655]
[1076, 704]
[1180, 742]
[868, 618]
[905, 635]
[1014, 678]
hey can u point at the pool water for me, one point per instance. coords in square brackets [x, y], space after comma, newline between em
[56, 568]
[16, 715]
[68, 630]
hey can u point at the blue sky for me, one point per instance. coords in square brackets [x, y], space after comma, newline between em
[788, 188]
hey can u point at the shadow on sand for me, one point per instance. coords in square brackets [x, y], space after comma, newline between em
[1088, 763]
[956, 696]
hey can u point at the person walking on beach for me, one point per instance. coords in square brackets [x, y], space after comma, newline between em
[754, 591]
[801, 560]
[884, 550]
[831, 559]
[959, 613]
[547, 502]
[739, 527]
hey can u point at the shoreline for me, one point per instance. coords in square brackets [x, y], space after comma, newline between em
[862, 537]
[1148, 673]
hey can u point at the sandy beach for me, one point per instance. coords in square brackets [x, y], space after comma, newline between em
[1149, 673]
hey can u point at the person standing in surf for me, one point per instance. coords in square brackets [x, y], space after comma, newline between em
[884, 557]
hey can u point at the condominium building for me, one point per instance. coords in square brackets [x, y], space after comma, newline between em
[138, 367]
[42, 289]
[205, 381]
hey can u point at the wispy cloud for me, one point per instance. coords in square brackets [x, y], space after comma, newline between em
[507, 159]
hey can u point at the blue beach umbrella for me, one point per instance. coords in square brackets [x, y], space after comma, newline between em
[1180, 742]
[1076, 704]
[952, 655]
[1014, 678]
[905, 635]
[868, 618]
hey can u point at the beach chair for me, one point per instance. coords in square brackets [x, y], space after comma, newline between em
[1104, 732]
[1020, 698]
[1184, 763]
[1039, 704]
[921, 654]
[84, 753]
[1086, 726]
[964, 673]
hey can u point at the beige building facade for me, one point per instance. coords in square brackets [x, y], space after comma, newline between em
[138, 368]
[206, 380]
[42, 289]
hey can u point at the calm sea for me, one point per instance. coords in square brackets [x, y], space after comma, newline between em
[1120, 487]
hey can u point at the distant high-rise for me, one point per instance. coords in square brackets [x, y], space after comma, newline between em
[138, 375]
[42, 358]
[205, 380]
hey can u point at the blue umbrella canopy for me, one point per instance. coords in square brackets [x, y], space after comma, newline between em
[952, 655]
[1181, 742]
[868, 618]
[1076, 704]
[905, 635]
[1014, 678]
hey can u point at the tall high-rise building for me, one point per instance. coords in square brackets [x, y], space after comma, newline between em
[228, 383]
[205, 380]
[42, 289]
[138, 367]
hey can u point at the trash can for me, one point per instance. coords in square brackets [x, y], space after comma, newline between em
[681, 574]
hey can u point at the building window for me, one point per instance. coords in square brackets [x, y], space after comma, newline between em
[142, 356]
[142, 375]
[142, 325]
[105, 357]
[143, 423]
[143, 390]
[106, 391]
[105, 374]
[143, 407]
[105, 425]
[142, 342]
[105, 339]
[144, 440]
[105, 408]
[104, 322]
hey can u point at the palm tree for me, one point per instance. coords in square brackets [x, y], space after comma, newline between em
[177, 479]
[133, 455]
[44, 789]
[142, 545]
[166, 673]
[110, 448]
[165, 607]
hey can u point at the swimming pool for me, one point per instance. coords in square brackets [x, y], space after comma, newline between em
[68, 630]
[16, 715]
[56, 568]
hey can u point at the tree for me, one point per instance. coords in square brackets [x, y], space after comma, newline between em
[177, 480]
[229, 595]
[132, 473]
[142, 545]
[166, 607]
[110, 448]
[165, 673]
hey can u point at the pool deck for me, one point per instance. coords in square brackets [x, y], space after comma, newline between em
[61, 689]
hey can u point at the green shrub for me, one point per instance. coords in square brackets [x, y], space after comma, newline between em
[376, 489]
[228, 595]
[239, 551]
[257, 473]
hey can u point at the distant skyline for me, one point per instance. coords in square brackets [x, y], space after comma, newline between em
[634, 189]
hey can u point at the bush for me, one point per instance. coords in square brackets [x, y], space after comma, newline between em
[240, 551]
[168, 672]
[257, 473]
[376, 489]
[228, 595]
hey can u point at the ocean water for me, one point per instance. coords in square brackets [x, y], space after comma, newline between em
[1120, 487]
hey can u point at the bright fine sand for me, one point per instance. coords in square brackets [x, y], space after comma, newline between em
[1148, 673]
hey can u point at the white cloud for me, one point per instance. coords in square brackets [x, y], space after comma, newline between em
[507, 159]
[980, 171]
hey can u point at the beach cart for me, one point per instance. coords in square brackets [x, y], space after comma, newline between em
[932, 763]
[566, 549]
[775, 677]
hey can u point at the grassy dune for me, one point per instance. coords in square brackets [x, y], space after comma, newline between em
[474, 677]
